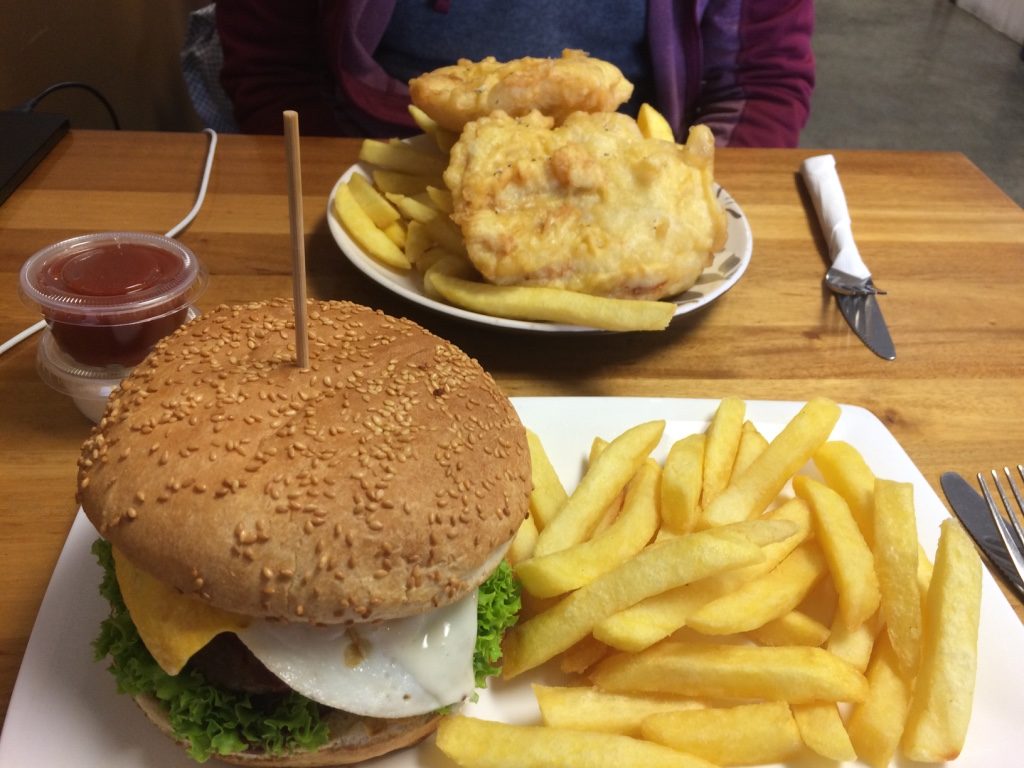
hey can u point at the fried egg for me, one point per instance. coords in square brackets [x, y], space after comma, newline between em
[397, 668]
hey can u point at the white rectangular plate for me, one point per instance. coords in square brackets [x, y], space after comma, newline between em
[65, 712]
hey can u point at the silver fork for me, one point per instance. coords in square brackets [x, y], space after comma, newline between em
[1013, 537]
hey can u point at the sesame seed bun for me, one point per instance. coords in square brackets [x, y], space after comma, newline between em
[353, 739]
[378, 483]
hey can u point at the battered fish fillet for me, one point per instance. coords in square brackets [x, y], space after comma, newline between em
[591, 205]
[455, 95]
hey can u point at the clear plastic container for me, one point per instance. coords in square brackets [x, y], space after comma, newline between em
[109, 297]
[88, 386]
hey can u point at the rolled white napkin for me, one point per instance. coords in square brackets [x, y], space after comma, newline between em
[819, 173]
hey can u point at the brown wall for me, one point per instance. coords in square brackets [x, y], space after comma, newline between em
[127, 49]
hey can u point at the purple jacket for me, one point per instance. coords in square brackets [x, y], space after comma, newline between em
[743, 67]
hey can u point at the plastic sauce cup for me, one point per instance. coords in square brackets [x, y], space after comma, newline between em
[109, 297]
[88, 386]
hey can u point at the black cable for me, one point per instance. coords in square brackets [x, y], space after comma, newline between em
[31, 104]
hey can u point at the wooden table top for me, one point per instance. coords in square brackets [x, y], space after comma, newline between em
[941, 237]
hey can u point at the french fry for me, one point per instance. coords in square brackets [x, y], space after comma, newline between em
[875, 724]
[396, 182]
[446, 139]
[657, 568]
[723, 439]
[436, 260]
[523, 542]
[653, 125]
[444, 232]
[423, 121]
[763, 599]
[572, 567]
[597, 445]
[486, 744]
[747, 734]
[654, 619]
[603, 481]
[794, 674]
[401, 157]
[854, 645]
[611, 513]
[443, 138]
[896, 561]
[924, 575]
[362, 229]
[534, 606]
[752, 445]
[417, 242]
[752, 492]
[421, 199]
[436, 223]
[537, 303]
[849, 559]
[396, 234]
[940, 707]
[425, 147]
[414, 206]
[793, 628]
[822, 730]
[761, 531]
[764, 531]
[681, 481]
[441, 198]
[582, 656]
[657, 617]
[381, 212]
[844, 470]
[548, 495]
[590, 709]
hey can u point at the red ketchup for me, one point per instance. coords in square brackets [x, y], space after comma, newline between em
[109, 297]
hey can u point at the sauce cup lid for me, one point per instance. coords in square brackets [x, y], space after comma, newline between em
[108, 278]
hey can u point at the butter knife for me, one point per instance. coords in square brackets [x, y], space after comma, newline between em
[973, 512]
[848, 277]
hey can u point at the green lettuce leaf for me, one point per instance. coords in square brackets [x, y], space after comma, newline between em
[212, 721]
[498, 605]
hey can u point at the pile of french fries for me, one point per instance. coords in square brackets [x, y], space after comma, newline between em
[728, 607]
[400, 216]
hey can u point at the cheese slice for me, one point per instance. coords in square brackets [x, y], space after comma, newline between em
[173, 626]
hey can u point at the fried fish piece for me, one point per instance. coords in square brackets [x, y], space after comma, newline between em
[590, 206]
[465, 91]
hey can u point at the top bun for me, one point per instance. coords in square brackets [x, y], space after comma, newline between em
[380, 482]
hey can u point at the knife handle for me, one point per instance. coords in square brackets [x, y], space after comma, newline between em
[822, 180]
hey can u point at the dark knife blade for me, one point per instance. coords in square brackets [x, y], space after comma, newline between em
[865, 318]
[973, 512]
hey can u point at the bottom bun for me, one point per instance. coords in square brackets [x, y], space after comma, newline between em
[352, 738]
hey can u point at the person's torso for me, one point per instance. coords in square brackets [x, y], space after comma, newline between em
[420, 38]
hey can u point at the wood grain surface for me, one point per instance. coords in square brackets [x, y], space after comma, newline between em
[939, 236]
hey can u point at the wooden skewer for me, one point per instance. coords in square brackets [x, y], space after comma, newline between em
[291, 136]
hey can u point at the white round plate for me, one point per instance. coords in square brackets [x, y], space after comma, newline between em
[726, 269]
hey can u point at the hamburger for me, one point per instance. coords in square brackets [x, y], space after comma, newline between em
[304, 565]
